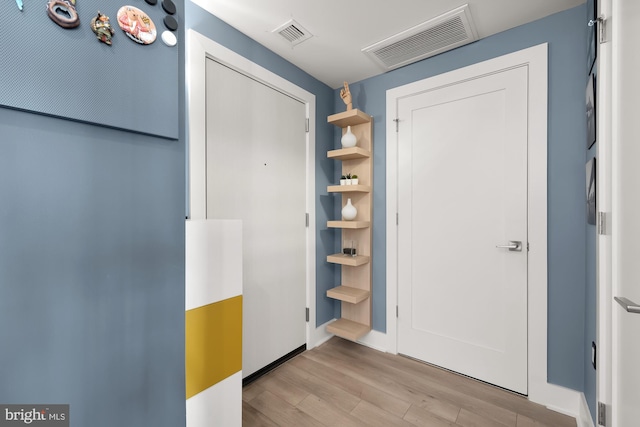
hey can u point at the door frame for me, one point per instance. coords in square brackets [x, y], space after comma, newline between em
[198, 49]
[536, 60]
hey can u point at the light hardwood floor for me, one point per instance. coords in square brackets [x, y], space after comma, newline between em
[344, 384]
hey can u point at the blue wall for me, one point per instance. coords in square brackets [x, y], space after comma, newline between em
[92, 252]
[566, 34]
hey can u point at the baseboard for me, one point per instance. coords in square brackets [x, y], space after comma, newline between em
[585, 419]
[376, 340]
[320, 335]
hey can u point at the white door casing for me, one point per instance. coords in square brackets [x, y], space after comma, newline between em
[199, 48]
[535, 58]
[625, 199]
[462, 156]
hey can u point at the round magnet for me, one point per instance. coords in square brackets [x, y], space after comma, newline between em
[170, 22]
[169, 7]
[136, 25]
[169, 38]
[152, 2]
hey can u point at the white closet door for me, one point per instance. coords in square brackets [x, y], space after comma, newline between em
[256, 166]
[462, 201]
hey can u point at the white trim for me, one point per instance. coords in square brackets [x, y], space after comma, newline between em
[604, 187]
[220, 404]
[536, 59]
[584, 417]
[199, 48]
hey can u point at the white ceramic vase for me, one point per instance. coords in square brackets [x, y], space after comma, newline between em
[349, 211]
[348, 139]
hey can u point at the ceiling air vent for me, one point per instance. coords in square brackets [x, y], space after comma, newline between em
[293, 32]
[437, 35]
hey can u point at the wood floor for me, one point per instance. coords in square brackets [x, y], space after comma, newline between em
[344, 384]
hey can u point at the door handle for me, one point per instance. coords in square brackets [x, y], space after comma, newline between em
[513, 246]
[628, 305]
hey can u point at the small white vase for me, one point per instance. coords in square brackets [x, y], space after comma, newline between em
[349, 211]
[348, 139]
[354, 181]
[348, 181]
[343, 182]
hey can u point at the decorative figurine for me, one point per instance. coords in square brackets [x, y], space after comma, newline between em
[137, 25]
[101, 26]
[63, 13]
[345, 94]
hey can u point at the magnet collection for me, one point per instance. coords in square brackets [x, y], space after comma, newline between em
[134, 22]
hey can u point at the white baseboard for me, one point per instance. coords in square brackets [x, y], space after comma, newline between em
[585, 419]
[320, 335]
[376, 340]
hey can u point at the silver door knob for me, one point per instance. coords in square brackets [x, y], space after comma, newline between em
[513, 246]
[628, 305]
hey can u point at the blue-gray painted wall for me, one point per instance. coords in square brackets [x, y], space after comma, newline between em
[92, 240]
[92, 237]
[566, 34]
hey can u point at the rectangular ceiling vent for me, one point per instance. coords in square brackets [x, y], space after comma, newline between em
[445, 32]
[293, 32]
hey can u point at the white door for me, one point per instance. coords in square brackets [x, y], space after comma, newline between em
[626, 215]
[462, 191]
[256, 169]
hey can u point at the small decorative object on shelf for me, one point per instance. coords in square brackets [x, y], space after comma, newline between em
[354, 179]
[101, 26]
[63, 13]
[349, 211]
[345, 94]
[349, 248]
[348, 179]
[343, 180]
[348, 139]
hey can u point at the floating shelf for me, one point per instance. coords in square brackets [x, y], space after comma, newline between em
[353, 261]
[349, 224]
[349, 118]
[348, 294]
[349, 188]
[348, 329]
[349, 153]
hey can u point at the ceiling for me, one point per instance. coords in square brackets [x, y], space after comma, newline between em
[342, 28]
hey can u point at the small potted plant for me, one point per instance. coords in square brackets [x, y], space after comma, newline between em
[343, 180]
[354, 179]
[348, 179]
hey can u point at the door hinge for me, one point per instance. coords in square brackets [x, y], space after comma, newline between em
[396, 311]
[306, 125]
[397, 219]
[602, 414]
[397, 121]
[306, 314]
[601, 24]
[306, 220]
[602, 223]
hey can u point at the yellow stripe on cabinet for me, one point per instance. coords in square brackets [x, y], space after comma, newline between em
[213, 343]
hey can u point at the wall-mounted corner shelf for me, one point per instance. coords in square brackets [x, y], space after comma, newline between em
[356, 271]
[349, 224]
[348, 294]
[349, 188]
[349, 118]
[352, 261]
[348, 329]
[349, 154]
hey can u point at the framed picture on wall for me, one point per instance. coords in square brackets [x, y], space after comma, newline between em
[591, 191]
[590, 109]
[591, 38]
